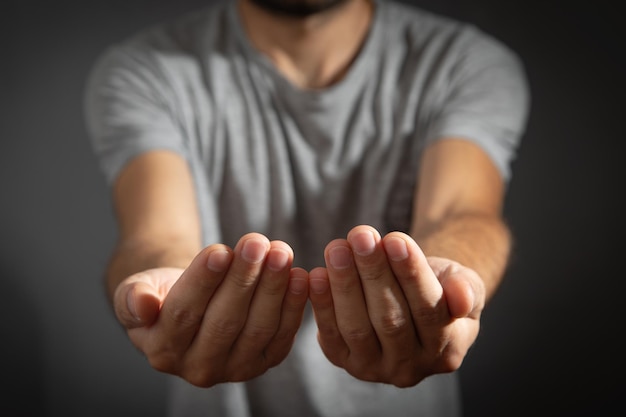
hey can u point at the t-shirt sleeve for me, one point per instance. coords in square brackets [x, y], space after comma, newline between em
[128, 110]
[486, 99]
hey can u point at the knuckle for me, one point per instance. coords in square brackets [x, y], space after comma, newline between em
[344, 287]
[243, 282]
[260, 333]
[427, 316]
[184, 318]
[371, 271]
[224, 327]
[393, 324]
[357, 335]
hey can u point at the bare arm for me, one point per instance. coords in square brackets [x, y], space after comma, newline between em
[154, 201]
[458, 210]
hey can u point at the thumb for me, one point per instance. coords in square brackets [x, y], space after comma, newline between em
[136, 304]
[459, 296]
[464, 292]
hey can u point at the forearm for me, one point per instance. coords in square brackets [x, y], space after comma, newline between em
[480, 242]
[132, 256]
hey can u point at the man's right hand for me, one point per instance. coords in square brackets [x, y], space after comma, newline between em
[230, 316]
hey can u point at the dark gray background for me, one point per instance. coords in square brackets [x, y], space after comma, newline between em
[550, 342]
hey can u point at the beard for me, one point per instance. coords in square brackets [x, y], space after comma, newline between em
[297, 8]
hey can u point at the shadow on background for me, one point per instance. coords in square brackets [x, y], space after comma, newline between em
[549, 343]
[22, 348]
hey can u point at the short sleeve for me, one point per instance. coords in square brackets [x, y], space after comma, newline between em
[486, 99]
[128, 110]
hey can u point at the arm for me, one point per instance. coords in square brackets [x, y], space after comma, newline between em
[207, 315]
[458, 207]
[154, 202]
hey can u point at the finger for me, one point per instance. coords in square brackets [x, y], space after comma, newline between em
[184, 306]
[464, 291]
[136, 303]
[291, 316]
[227, 311]
[421, 289]
[387, 307]
[142, 306]
[264, 314]
[351, 312]
[329, 337]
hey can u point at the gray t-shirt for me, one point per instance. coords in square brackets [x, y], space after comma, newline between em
[306, 166]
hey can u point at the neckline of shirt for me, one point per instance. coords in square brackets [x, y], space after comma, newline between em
[357, 71]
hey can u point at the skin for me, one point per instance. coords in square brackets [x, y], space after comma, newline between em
[197, 313]
[313, 52]
[388, 309]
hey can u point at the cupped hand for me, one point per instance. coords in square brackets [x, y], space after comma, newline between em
[387, 313]
[230, 316]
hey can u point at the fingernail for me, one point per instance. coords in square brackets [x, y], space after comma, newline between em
[277, 259]
[363, 243]
[340, 257]
[253, 251]
[396, 249]
[218, 260]
[130, 303]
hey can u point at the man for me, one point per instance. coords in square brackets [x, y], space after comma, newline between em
[309, 200]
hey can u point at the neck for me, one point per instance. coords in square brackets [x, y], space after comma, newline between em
[312, 52]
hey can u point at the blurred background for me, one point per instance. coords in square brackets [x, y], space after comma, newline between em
[550, 339]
